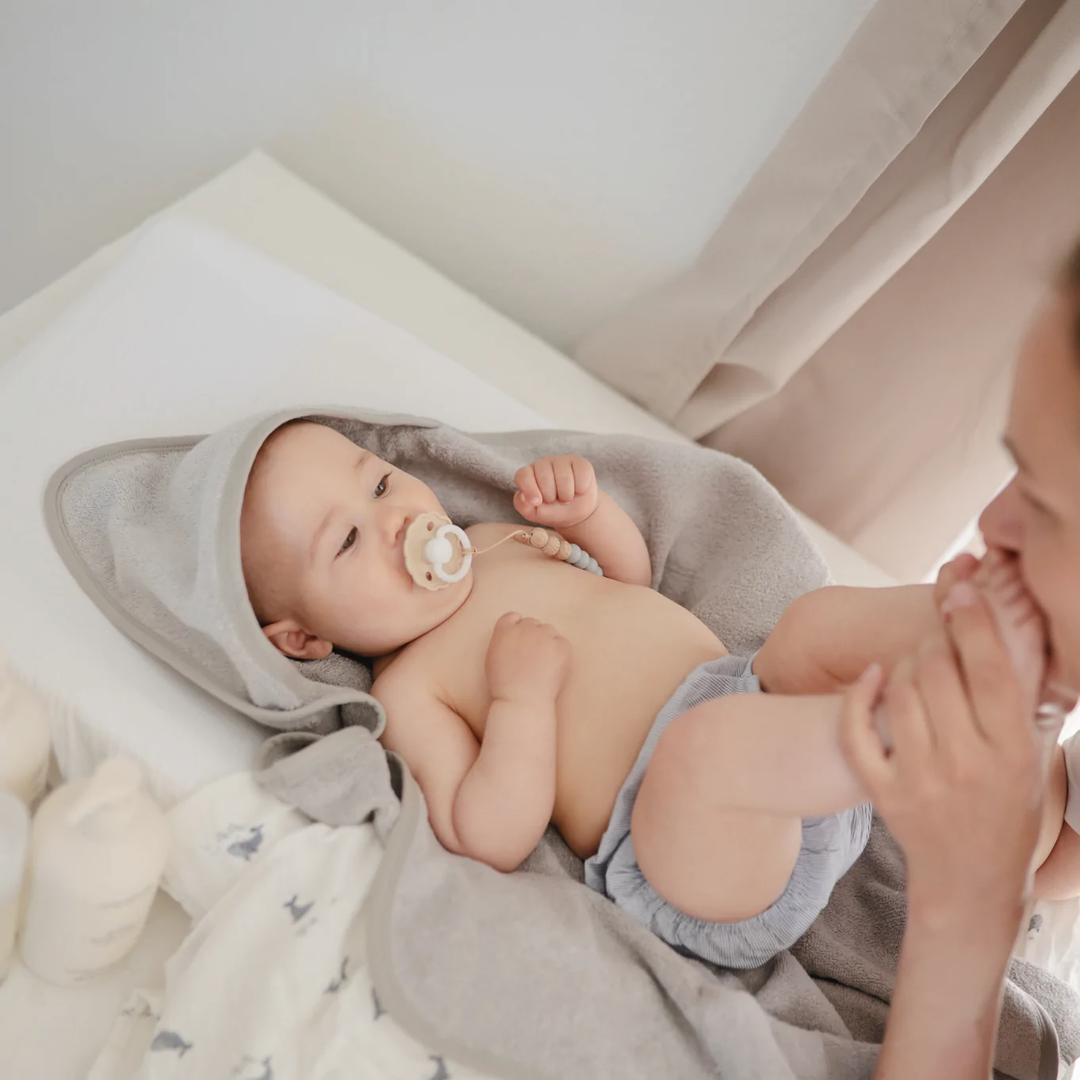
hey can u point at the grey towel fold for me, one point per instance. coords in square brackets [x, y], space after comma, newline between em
[531, 974]
[851, 953]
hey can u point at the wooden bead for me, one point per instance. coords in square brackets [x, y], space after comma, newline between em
[539, 538]
[564, 551]
[553, 545]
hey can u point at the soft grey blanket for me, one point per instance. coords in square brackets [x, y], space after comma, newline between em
[529, 974]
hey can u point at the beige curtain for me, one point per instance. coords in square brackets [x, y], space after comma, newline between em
[850, 326]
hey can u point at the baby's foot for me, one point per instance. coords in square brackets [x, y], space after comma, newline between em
[962, 568]
[1019, 621]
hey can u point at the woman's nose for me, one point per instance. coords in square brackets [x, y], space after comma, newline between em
[1000, 522]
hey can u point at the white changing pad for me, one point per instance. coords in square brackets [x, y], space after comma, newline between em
[189, 332]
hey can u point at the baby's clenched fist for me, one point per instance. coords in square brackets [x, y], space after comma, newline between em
[527, 661]
[558, 492]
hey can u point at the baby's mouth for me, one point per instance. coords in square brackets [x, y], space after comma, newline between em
[436, 552]
[400, 546]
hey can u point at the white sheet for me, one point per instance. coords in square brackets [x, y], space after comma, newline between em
[273, 981]
[189, 332]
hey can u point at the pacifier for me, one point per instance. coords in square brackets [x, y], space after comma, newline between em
[437, 552]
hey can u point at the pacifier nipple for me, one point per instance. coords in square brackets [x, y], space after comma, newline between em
[437, 552]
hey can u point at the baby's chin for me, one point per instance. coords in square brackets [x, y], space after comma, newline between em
[432, 616]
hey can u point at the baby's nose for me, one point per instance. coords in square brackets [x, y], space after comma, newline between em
[394, 524]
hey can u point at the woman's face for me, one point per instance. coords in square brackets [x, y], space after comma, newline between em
[1038, 515]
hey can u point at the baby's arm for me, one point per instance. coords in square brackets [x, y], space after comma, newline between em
[827, 638]
[493, 800]
[562, 493]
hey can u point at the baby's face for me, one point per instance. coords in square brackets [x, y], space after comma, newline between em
[322, 541]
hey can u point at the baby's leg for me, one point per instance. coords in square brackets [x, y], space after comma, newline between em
[717, 824]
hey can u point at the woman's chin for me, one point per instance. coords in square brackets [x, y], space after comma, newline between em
[1061, 686]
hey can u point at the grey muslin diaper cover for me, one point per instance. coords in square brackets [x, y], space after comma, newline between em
[829, 846]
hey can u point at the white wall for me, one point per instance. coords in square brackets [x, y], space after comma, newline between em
[556, 157]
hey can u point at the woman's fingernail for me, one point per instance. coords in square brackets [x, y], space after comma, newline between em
[871, 674]
[960, 595]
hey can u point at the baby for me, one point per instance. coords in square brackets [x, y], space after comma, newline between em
[531, 692]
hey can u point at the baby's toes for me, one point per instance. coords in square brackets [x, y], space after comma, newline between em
[1009, 594]
[962, 568]
[990, 565]
[1020, 623]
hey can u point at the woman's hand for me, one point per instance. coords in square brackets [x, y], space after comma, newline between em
[962, 788]
[961, 792]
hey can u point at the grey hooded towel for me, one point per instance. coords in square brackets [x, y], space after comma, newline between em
[526, 975]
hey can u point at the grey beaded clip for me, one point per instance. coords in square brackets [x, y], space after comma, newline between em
[551, 543]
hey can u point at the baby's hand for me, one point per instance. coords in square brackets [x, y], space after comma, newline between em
[527, 661]
[559, 492]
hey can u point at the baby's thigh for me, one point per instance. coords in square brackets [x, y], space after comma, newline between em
[708, 861]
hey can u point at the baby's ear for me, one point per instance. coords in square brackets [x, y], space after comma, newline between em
[288, 637]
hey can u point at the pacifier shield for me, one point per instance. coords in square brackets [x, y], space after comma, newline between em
[447, 548]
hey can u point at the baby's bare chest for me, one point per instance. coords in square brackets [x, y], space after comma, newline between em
[629, 644]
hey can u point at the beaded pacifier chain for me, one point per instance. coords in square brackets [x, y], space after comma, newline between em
[438, 553]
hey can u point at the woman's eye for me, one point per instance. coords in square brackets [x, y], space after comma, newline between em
[1034, 502]
[382, 487]
[349, 540]
[1038, 505]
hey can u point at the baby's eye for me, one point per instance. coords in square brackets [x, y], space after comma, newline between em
[349, 540]
[382, 487]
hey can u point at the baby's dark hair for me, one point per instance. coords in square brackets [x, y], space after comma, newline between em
[265, 598]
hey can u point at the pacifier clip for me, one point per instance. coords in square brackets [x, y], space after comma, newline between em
[438, 552]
